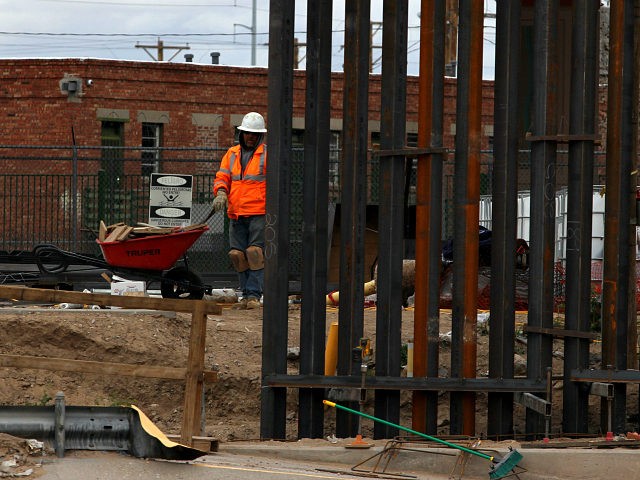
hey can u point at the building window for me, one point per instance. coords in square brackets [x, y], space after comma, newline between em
[112, 158]
[335, 147]
[111, 181]
[151, 143]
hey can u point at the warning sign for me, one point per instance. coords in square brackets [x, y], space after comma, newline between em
[170, 198]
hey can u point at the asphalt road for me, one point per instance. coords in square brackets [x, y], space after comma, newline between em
[219, 466]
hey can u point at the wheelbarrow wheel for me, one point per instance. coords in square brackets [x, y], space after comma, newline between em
[180, 282]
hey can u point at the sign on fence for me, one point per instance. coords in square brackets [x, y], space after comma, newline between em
[170, 198]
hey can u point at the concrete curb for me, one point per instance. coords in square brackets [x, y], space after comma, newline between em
[539, 464]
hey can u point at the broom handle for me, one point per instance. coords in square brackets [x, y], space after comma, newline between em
[435, 439]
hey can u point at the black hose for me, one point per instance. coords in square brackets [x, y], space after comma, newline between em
[51, 259]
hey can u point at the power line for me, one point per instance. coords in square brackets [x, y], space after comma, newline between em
[151, 4]
[67, 34]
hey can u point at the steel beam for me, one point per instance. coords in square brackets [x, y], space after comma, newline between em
[607, 376]
[504, 213]
[403, 383]
[536, 404]
[620, 194]
[579, 216]
[276, 251]
[315, 212]
[429, 212]
[466, 208]
[543, 186]
[391, 212]
[353, 196]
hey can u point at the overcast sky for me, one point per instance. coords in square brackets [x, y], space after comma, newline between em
[112, 29]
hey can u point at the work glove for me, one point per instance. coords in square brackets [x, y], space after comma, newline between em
[220, 202]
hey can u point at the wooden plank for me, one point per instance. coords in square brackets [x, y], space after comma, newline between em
[152, 230]
[115, 233]
[197, 226]
[59, 296]
[125, 233]
[195, 366]
[102, 231]
[100, 368]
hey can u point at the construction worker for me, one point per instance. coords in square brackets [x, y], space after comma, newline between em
[240, 187]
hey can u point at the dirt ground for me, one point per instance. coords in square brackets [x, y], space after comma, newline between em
[233, 348]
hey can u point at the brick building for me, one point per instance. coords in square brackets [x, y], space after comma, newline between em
[169, 104]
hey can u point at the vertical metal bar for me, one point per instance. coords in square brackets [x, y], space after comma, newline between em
[315, 212]
[620, 147]
[353, 195]
[580, 209]
[74, 193]
[632, 337]
[276, 274]
[504, 213]
[614, 153]
[467, 198]
[628, 339]
[543, 186]
[391, 211]
[426, 329]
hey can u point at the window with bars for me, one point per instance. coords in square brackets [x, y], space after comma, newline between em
[151, 154]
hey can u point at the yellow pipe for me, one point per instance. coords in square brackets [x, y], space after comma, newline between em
[333, 298]
[331, 351]
[410, 359]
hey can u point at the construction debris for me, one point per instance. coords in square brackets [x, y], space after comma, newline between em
[119, 232]
[19, 457]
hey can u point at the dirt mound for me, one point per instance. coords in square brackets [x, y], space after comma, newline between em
[234, 348]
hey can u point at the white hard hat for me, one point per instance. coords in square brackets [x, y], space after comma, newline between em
[253, 122]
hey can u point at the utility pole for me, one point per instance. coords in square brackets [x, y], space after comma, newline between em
[451, 38]
[252, 29]
[161, 47]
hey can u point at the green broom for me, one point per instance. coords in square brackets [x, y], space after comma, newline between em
[499, 468]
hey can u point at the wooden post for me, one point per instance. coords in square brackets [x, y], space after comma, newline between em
[195, 375]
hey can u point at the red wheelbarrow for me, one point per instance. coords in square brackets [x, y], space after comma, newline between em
[159, 253]
[150, 257]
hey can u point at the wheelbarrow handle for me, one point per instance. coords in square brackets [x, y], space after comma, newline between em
[208, 217]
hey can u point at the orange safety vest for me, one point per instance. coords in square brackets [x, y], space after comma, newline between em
[246, 190]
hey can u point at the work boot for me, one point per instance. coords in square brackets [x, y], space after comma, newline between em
[253, 303]
[241, 305]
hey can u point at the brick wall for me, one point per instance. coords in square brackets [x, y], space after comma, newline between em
[36, 112]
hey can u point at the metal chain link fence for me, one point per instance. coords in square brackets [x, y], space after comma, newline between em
[59, 195]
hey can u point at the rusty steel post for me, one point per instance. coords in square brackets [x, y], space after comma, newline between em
[428, 212]
[621, 145]
[467, 198]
